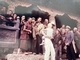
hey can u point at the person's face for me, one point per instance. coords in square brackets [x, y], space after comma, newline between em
[37, 24]
[30, 20]
[63, 26]
[2, 17]
[33, 21]
[23, 18]
[15, 15]
[67, 30]
[10, 12]
[39, 19]
[57, 32]
[46, 21]
[75, 29]
[4, 8]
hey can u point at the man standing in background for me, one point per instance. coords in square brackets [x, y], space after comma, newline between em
[69, 37]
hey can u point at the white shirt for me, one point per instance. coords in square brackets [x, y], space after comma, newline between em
[50, 32]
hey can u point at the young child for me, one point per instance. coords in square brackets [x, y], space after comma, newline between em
[43, 32]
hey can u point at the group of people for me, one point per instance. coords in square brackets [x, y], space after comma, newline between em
[68, 39]
[8, 19]
[32, 33]
[44, 38]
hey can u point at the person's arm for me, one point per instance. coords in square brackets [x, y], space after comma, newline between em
[43, 32]
[24, 28]
[40, 27]
[71, 36]
[34, 33]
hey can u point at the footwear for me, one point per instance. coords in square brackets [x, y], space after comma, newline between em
[30, 52]
[34, 53]
[26, 53]
[42, 43]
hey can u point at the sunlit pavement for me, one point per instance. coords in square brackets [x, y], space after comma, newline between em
[26, 57]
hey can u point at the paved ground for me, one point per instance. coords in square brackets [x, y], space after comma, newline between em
[20, 56]
[26, 57]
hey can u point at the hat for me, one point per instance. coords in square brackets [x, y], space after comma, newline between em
[68, 27]
[52, 23]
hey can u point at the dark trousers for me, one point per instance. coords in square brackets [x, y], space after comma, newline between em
[38, 47]
[31, 42]
[70, 52]
[58, 51]
[34, 46]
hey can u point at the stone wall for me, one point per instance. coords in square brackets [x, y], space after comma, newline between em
[9, 36]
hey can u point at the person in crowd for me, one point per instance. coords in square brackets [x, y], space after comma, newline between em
[77, 39]
[63, 30]
[49, 49]
[10, 13]
[34, 26]
[14, 16]
[26, 37]
[45, 24]
[33, 21]
[39, 49]
[3, 10]
[10, 22]
[34, 38]
[57, 44]
[23, 20]
[2, 19]
[9, 18]
[69, 37]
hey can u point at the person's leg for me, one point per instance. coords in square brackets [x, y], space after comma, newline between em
[34, 46]
[52, 51]
[31, 42]
[28, 45]
[72, 52]
[18, 43]
[37, 44]
[47, 49]
[40, 47]
[56, 52]
[60, 52]
[69, 53]
[23, 45]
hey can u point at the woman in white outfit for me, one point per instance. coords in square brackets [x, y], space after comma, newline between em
[49, 49]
